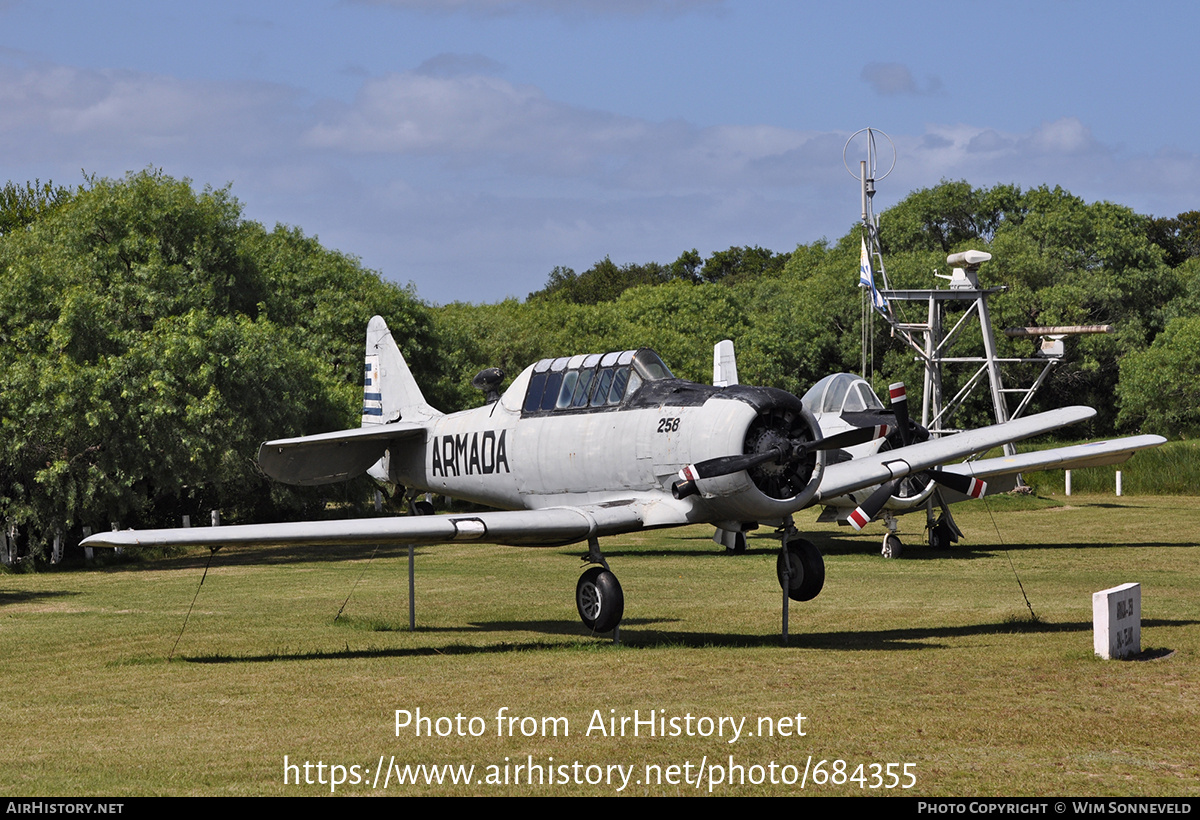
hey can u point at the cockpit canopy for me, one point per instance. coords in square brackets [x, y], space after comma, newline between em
[841, 393]
[594, 381]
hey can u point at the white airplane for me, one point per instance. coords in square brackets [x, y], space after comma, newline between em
[842, 402]
[578, 448]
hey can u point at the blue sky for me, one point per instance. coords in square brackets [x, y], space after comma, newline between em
[469, 146]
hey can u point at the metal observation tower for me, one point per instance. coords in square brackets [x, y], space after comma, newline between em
[919, 319]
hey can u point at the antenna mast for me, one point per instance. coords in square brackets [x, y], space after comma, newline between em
[868, 174]
[928, 340]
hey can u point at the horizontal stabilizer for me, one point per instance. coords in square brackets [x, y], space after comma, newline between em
[329, 457]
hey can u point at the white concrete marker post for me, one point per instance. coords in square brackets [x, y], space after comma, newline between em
[1117, 621]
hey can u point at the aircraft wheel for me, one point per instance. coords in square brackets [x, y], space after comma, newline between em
[423, 508]
[739, 543]
[939, 536]
[892, 546]
[807, 570]
[599, 599]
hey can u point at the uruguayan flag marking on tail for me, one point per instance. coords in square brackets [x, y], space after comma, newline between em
[372, 399]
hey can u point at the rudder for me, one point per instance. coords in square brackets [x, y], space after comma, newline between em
[390, 392]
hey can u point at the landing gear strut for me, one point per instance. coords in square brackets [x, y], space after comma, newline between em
[598, 595]
[892, 546]
[800, 568]
[941, 531]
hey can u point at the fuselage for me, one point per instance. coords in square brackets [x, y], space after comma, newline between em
[591, 429]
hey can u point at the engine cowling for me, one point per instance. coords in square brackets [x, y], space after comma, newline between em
[774, 487]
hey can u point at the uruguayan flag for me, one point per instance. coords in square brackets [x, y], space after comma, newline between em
[867, 280]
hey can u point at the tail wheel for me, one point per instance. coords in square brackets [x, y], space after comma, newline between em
[806, 570]
[599, 599]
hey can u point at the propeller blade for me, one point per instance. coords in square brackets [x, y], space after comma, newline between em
[725, 465]
[899, 397]
[965, 484]
[849, 438]
[870, 508]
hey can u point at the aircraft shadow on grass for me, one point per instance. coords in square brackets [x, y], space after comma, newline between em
[26, 596]
[908, 639]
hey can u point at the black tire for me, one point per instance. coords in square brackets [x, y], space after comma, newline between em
[940, 536]
[423, 508]
[599, 599]
[807, 570]
[893, 547]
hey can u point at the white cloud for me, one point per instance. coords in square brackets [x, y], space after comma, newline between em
[52, 111]
[474, 186]
[479, 120]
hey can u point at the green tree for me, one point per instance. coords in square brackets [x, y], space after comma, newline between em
[602, 282]
[1159, 389]
[741, 262]
[1178, 236]
[947, 215]
[152, 340]
[22, 205]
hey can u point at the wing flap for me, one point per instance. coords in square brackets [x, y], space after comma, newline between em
[852, 475]
[329, 457]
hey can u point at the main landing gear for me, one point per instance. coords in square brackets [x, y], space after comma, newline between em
[800, 568]
[601, 603]
[598, 595]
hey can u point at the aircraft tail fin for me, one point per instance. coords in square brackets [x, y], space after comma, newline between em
[390, 392]
[724, 364]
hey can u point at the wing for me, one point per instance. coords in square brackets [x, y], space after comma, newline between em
[1092, 454]
[848, 476]
[330, 457]
[548, 527]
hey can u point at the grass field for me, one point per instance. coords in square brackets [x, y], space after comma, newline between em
[932, 660]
